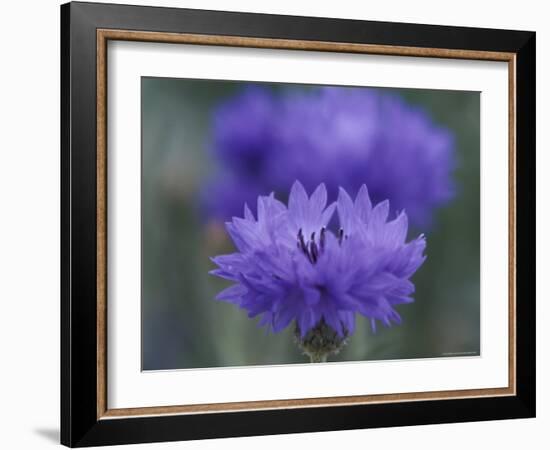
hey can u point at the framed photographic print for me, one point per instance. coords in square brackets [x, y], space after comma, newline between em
[276, 224]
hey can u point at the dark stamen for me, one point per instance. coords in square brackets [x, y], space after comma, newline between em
[301, 244]
[340, 235]
[313, 251]
[311, 248]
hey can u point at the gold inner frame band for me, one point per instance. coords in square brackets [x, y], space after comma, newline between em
[104, 35]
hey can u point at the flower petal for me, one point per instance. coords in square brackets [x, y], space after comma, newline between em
[346, 211]
[298, 202]
[232, 294]
[363, 204]
[318, 200]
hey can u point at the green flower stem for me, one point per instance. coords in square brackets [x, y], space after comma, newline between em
[318, 357]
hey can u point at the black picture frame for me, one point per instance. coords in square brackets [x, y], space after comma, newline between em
[80, 425]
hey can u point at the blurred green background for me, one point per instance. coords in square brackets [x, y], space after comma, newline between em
[184, 327]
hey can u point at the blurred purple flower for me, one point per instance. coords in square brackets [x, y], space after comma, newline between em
[340, 136]
[290, 267]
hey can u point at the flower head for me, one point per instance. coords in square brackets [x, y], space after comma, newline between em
[344, 137]
[290, 266]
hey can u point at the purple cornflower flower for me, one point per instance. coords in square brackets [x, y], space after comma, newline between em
[289, 266]
[343, 137]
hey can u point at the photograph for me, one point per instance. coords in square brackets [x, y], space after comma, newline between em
[287, 222]
[295, 224]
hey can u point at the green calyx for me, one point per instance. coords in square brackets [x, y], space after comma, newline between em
[320, 342]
